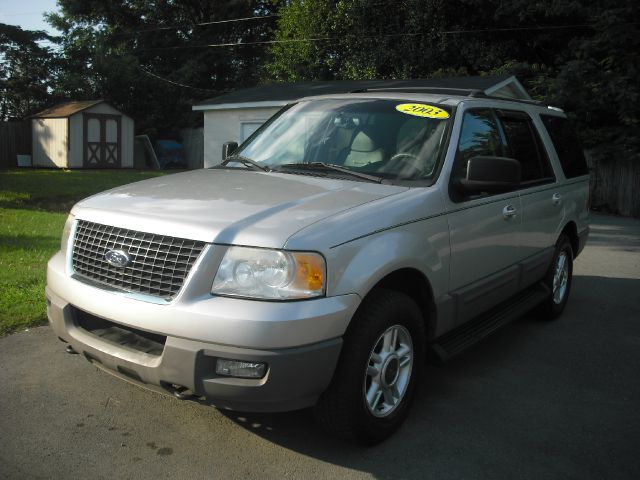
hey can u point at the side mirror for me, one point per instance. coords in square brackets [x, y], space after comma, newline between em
[228, 148]
[491, 175]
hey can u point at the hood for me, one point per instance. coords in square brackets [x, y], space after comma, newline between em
[229, 206]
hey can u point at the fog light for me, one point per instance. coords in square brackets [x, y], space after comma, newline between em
[240, 369]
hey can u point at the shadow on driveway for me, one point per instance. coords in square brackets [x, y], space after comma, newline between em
[535, 400]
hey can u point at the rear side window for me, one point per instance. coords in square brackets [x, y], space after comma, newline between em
[567, 146]
[523, 144]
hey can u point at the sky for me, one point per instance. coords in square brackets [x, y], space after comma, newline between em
[27, 14]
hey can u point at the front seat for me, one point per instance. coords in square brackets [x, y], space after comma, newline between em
[416, 147]
[409, 136]
[363, 151]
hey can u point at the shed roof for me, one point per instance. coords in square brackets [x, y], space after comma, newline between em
[279, 94]
[66, 109]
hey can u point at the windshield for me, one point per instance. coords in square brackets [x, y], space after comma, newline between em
[385, 138]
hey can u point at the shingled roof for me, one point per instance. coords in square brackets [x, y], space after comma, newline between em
[281, 93]
[66, 109]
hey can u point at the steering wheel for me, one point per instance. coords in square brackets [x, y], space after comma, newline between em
[407, 163]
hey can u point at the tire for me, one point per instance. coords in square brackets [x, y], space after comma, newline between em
[382, 355]
[558, 279]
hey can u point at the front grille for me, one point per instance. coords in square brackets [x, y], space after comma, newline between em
[158, 264]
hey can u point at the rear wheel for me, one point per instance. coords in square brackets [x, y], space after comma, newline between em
[558, 280]
[375, 380]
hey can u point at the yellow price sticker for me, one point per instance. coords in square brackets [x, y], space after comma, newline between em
[422, 110]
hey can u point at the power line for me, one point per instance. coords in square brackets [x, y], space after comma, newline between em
[201, 24]
[174, 83]
[389, 35]
[218, 22]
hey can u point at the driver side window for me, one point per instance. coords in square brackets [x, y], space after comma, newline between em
[479, 136]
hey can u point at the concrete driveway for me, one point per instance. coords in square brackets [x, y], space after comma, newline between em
[536, 400]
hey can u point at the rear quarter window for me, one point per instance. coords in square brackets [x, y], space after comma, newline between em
[567, 146]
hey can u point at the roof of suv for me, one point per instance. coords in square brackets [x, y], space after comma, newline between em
[447, 97]
[294, 91]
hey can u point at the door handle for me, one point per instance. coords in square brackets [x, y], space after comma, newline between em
[556, 198]
[508, 212]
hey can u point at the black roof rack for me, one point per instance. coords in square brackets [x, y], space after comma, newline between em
[468, 92]
[537, 103]
[284, 92]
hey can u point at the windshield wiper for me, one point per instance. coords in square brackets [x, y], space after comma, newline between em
[335, 168]
[247, 162]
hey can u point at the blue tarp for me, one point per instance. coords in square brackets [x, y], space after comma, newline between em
[170, 154]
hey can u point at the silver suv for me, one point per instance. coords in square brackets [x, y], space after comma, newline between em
[322, 260]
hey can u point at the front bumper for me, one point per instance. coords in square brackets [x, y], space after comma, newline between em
[200, 329]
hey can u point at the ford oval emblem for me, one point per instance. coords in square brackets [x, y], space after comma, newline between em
[117, 258]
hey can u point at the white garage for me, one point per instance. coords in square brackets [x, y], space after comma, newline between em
[235, 116]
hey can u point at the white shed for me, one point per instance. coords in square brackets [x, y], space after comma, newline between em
[82, 134]
[235, 116]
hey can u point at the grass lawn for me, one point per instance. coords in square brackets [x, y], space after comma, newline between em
[33, 208]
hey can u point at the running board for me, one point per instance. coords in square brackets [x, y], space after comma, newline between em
[468, 334]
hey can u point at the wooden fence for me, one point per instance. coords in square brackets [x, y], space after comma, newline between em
[15, 139]
[615, 186]
[193, 144]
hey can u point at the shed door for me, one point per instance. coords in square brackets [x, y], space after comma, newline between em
[102, 137]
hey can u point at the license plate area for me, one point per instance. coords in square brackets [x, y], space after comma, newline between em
[121, 335]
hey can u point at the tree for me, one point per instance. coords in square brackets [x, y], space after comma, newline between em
[598, 81]
[411, 38]
[25, 71]
[582, 55]
[150, 58]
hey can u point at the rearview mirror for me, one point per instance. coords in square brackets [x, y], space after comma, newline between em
[228, 148]
[491, 175]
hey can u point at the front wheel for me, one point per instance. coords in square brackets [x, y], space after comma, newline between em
[375, 380]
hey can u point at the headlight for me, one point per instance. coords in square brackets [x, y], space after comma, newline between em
[270, 274]
[66, 234]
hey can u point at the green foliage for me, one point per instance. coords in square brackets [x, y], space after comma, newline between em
[26, 188]
[414, 38]
[582, 55]
[108, 48]
[33, 208]
[598, 83]
[25, 72]
[586, 62]
[27, 240]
